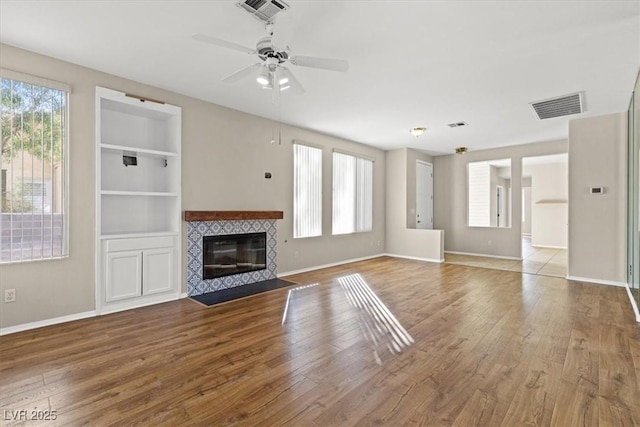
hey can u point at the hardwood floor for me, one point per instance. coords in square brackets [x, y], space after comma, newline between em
[482, 347]
[535, 260]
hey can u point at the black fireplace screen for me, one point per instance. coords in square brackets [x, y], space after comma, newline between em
[233, 254]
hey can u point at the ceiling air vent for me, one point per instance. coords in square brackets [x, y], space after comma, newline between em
[457, 124]
[264, 10]
[558, 107]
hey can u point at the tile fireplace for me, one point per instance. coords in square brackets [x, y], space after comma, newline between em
[226, 249]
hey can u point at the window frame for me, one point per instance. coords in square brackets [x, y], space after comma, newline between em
[317, 179]
[360, 201]
[65, 161]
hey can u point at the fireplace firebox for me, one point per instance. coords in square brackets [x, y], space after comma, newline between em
[224, 255]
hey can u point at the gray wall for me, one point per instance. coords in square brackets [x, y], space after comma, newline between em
[597, 223]
[450, 195]
[400, 239]
[225, 155]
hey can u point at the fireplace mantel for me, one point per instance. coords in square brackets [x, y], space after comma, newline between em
[231, 215]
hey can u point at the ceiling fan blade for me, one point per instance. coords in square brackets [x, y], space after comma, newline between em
[324, 63]
[238, 75]
[293, 82]
[223, 43]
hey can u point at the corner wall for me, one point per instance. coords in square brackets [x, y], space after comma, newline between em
[427, 245]
[450, 200]
[597, 223]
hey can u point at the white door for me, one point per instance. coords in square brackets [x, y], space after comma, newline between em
[123, 275]
[158, 270]
[424, 195]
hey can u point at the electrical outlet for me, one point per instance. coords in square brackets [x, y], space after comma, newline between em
[9, 295]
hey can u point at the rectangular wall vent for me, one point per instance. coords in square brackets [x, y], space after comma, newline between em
[558, 107]
[457, 124]
[264, 10]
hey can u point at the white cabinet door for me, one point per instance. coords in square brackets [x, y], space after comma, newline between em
[123, 275]
[158, 270]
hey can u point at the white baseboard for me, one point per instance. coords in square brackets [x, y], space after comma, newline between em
[597, 281]
[333, 264]
[633, 304]
[484, 255]
[183, 295]
[48, 322]
[415, 258]
[548, 247]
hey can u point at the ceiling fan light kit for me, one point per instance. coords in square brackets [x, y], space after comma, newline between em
[273, 59]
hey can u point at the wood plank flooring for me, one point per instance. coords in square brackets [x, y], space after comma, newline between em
[487, 348]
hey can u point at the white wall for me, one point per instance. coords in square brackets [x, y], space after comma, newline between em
[549, 215]
[225, 155]
[526, 224]
[597, 223]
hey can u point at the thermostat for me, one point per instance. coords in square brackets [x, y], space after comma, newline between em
[596, 190]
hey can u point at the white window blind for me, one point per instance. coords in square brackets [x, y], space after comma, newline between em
[352, 194]
[33, 171]
[307, 191]
[479, 194]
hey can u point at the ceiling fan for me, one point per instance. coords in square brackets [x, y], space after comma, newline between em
[271, 71]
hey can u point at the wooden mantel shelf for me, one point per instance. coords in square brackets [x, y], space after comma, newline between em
[231, 215]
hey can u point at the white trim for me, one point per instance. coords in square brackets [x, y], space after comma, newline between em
[548, 247]
[47, 322]
[183, 295]
[133, 303]
[307, 144]
[34, 80]
[332, 264]
[483, 255]
[597, 281]
[353, 154]
[633, 304]
[415, 258]
[526, 234]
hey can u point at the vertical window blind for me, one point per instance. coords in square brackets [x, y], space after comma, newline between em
[33, 169]
[307, 191]
[479, 195]
[352, 194]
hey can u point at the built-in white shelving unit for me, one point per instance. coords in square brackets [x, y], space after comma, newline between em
[138, 150]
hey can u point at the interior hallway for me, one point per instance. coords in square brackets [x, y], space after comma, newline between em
[535, 260]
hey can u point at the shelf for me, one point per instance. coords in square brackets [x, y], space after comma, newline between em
[230, 215]
[138, 151]
[106, 236]
[138, 193]
[551, 202]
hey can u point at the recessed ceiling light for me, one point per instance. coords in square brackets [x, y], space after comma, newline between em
[417, 131]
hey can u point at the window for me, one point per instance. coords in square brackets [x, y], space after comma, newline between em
[352, 194]
[307, 191]
[33, 165]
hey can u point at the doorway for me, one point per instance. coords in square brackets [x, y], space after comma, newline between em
[545, 213]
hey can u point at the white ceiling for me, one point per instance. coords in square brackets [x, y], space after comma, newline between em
[412, 63]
